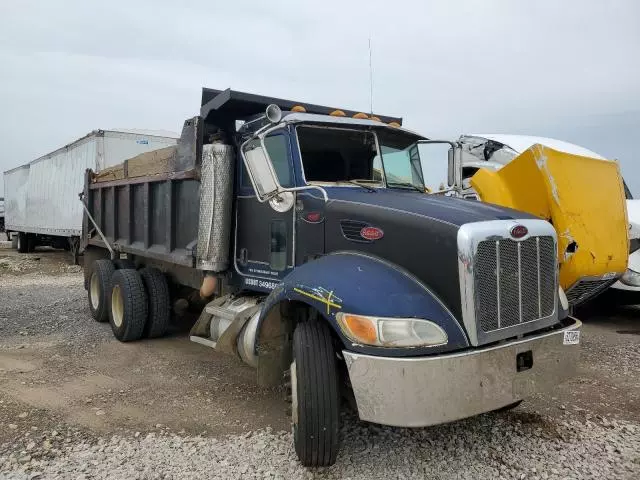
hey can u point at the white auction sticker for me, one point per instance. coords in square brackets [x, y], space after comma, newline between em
[571, 337]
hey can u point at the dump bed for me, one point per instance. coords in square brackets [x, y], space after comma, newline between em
[172, 205]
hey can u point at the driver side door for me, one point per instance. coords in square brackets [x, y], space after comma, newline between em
[264, 248]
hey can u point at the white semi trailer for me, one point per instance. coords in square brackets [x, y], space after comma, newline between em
[41, 197]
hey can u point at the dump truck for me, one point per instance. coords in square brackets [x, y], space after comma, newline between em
[303, 234]
[580, 192]
[41, 197]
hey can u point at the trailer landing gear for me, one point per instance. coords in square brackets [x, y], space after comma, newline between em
[74, 248]
[23, 243]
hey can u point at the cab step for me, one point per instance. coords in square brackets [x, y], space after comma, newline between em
[222, 320]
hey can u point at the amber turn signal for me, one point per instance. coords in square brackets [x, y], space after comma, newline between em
[361, 329]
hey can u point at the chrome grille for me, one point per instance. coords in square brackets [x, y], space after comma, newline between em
[514, 281]
[584, 289]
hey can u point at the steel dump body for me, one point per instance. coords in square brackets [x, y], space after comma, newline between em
[154, 216]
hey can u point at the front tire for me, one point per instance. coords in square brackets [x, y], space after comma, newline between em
[99, 291]
[128, 307]
[315, 408]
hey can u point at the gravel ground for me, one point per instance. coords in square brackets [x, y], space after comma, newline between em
[514, 445]
[75, 403]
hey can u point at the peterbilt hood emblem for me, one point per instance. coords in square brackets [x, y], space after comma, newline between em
[518, 231]
[371, 233]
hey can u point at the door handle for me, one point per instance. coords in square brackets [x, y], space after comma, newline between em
[244, 256]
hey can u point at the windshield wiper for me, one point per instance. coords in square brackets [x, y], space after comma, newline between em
[366, 187]
[405, 184]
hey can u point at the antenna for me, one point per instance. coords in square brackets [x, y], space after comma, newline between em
[370, 78]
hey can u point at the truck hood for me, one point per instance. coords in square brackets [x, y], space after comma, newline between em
[419, 231]
[451, 210]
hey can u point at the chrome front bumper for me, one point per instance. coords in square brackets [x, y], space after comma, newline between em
[416, 392]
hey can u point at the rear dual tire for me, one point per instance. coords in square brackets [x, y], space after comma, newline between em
[99, 290]
[128, 309]
[136, 303]
[140, 304]
[159, 302]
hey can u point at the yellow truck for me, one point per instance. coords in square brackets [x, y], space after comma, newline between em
[579, 192]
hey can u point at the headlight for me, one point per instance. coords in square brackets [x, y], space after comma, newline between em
[631, 278]
[391, 332]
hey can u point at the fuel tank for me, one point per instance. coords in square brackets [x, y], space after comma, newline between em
[582, 197]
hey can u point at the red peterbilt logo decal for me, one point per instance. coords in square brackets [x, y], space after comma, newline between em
[371, 233]
[518, 231]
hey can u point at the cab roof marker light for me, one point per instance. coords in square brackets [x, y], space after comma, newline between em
[299, 109]
[361, 116]
[337, 113]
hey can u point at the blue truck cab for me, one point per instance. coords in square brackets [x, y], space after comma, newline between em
[324, 263]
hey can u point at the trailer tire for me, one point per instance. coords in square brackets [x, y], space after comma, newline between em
[315, 408]
[32, 242]
[23, 243]
[159, 302]
[128, 306]
[99, 291]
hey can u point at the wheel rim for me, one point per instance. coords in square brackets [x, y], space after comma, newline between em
[117, 305]
[19, 243]
[294, 395]
[94, 290]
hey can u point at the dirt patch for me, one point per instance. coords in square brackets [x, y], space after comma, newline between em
[55, 358]
[43, 260]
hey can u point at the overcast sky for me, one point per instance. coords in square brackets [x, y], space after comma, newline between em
[565, 69]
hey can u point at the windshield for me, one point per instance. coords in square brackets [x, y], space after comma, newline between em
[347, 156]
[401, 160]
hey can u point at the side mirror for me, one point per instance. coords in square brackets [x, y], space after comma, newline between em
[438, 158]
[260, 170]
